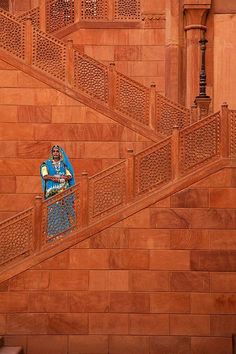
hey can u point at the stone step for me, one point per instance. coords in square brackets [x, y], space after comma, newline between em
[11, 350]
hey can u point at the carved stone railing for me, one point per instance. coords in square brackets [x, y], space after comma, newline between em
[53, 15]
[17, 237]
[97, 197]
[152, 167]
[170, 114]
[4, 4]
[33, 15]
[200, 143]
[116, 92]
[107, 191]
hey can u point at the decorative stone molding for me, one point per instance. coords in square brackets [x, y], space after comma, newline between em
[203, 104]
[153, 20]
[195, 16]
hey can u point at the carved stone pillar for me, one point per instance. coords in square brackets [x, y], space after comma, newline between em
[172, 51]
[12, 6]
[195, 13]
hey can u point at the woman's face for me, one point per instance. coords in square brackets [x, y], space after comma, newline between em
[55, 153]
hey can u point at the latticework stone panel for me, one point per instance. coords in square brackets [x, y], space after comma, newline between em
[127, 9]
[153, 167]
[94, 10]
[107, 191]
[33, 15]
[49, 55]
[200, 143]
[91, 77]
[132, 99]
[16, 237]
[233, 133]
[59, 13]
[4, 4]
[12, 35]
[170, 114]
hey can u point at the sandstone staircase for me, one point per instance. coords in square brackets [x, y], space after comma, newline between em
[123, 189]
[98, 86]
[64, 68]
[187, 156]
[119, 191]
[8, 349]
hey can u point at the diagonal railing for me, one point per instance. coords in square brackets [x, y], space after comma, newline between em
[97, 197]
[116, 93]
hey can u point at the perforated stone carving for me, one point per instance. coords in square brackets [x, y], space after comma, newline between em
[16, 237]
[153, 167]
[59, 13]
[33, 15]
[12, 35]
[233, 133]
[127, 10]
[4, 4]
[49, 54]
[94, 10]
[170, 114]
[107, 190]
[200, 143]
[91, 77]
[132, 99]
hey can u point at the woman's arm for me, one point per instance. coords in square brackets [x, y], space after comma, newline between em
[52, 178]
[46, 176]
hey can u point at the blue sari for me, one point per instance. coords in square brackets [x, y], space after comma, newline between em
[60, 214]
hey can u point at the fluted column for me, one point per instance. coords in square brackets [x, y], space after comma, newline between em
[195, 15]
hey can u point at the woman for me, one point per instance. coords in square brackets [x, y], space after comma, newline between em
[57, 175]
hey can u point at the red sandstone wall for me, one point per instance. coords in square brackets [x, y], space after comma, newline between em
[33, 117]
[161, 281]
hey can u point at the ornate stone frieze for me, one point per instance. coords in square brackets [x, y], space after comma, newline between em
[153, 20]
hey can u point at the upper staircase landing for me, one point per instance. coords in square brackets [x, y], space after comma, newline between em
[54, 16]
[98, 86]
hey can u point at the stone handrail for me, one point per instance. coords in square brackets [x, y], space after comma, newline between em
[99, 196]
[100, 83]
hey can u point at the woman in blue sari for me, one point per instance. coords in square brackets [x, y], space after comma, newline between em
[57, 175]
[57, 172]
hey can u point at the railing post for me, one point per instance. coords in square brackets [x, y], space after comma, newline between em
[69, 62]
[84, 199]
[28, 41]
[130, 176]
[77, 10]
[194, 113]
[152, 107]
[42, 15]
[224, 131]
[111, 10]
[175, 153]
[37, 222]
[112, 85]
[12, 7]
